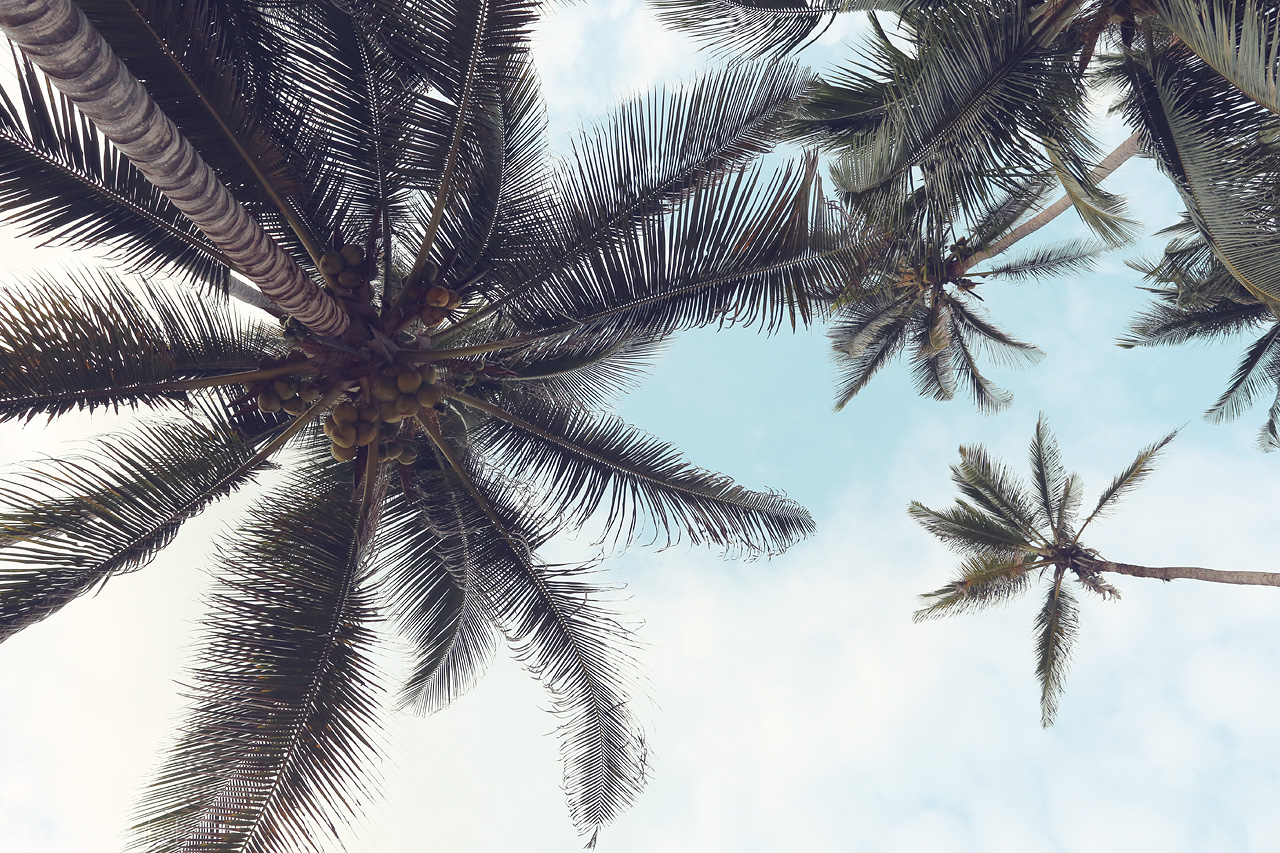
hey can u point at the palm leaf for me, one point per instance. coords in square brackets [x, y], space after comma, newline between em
[1101, 211]
[67, 526]
[1257, 371]
[1128, 479]
[984, 581]
[996, 490]
[964, 528]
[99, 344]
[754, 28]
[1048, 477]
[586, 462]
[865, 336]
[1056, 627]
[1241, 40]
[1051, 260]
[274, 749]
[59, 179]
[431, 583]
[578, 651]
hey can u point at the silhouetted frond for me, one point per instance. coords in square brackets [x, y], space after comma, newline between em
[1057, 624]
[984, 581]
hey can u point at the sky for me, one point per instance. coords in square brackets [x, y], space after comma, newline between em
[790, 704]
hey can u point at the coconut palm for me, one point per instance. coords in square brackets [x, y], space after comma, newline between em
[1013, 535]
[456, 312]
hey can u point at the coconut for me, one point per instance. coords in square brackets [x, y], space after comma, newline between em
[385, 389]
[366, 433]
[294, 406]
[353, 254]
[329, 426]
[366, 412]
[390, 414]
[438, 296]
[408, 456]
[345, 435]
[364, 292]
[408, 381]
[343, 454]
[430, 374]
[286, 387]
[269, 401]
[345, 413]
[392, 449]
[407, 405]
[432, 316]
[350, 279]
[308, 392]
[428, 395]
[455, 301]
[331, 263]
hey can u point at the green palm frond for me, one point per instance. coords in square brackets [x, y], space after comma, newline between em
[757, 28]
[984, 581]
[1057, 625]
[1128, 479]
[1102, 212]
[1204, 135]
[88, 341]
[60, 180]
[966, 529]
[967, 105]
[1269, 435]
[1241, 40]
[67, 526]
[1073, 256]
[866, 335]
[585, 370]
[431, 582]
[275, 747]
[552, 619]
[1257, 372]
[995, 489]
[589, 462]
[983, 336]
[1048, 477]
[1173, 319]
[647, 160]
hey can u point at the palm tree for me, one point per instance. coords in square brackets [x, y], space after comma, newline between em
[436, 434]
[1197, 299]
[1012, 535]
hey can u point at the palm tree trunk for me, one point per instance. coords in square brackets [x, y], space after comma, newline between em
[1109, 164]
[58, 38]
[1169, 573]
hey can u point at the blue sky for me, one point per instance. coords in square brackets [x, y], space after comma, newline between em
[791, 703]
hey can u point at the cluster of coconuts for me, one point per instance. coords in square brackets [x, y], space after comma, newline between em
[433, 303]
[344, 267]
[395, 394]
[288, 394]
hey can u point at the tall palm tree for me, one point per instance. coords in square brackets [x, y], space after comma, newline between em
[492, 301]
[1012, 535]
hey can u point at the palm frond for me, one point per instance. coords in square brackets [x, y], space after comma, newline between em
[1057, 624]
[1269, 435]
[551, 618]
[274, 751]
[1168, 322]
[996, 490]
[1241, 40]
[986, 395]
[430, 580]
[1074, 256]
[755, 28]
[645, 161]
[1048, 477]
[586, 371]
[984, 581]
[1102, 212]
[983, 336]
[964, 528]
[1203, 133]
[1128, 479]
[1258, 371]
[588, 462]
[867, 333]
[968, 105]
[89, 342]
[67, 526]
[60, 180]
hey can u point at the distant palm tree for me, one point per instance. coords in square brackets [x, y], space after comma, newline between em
[1012, 536]
[457, 308]
[1197, 299]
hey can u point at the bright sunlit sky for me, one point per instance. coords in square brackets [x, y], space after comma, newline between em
[791, 704]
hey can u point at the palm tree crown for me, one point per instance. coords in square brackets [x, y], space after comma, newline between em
[492, 301]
